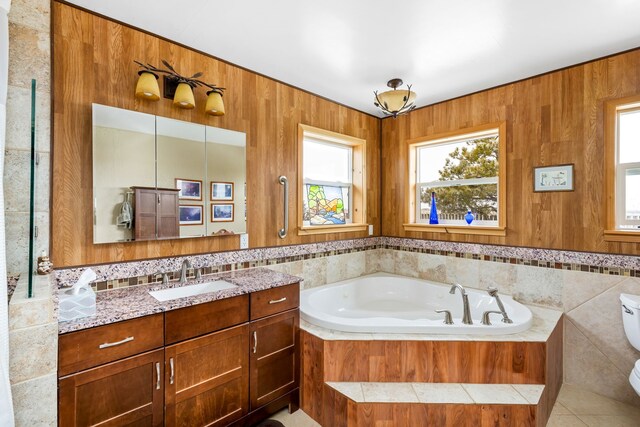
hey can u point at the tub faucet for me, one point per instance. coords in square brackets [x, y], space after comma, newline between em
[466, 317]
[183, 272]
[494, 293]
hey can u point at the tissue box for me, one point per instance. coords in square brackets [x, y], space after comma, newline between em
[73, 307]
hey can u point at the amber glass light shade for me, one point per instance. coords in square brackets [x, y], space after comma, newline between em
[215, 106]
[147, 86]
[394, 100]
[184, 97]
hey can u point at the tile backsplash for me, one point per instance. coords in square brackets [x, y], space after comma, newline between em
[111, 276]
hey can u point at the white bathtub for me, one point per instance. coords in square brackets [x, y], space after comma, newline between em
[389, 303]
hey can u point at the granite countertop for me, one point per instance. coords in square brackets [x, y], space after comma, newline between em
[134, 301]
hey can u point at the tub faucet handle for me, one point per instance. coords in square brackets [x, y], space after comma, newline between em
[448, 320]
[485, 316]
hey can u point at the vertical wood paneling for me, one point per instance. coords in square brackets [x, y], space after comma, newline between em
[551, 119]
[93, 62]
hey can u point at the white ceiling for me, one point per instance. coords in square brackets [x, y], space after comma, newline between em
[345, 49]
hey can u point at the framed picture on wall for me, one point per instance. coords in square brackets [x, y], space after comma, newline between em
[190, 189]
[222, 212]
[190, 214]
[553, 178]
[221, 191]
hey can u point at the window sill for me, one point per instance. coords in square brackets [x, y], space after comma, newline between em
[456, 229]
[326, 229]
[622, 236]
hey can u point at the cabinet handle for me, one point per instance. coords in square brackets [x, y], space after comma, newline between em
[157, 375]
[171, 376]
[255, 341]
[113, 344]
[275, 301]
[282, 233]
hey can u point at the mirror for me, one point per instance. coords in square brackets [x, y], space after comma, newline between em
[159, 178]
[226, 181]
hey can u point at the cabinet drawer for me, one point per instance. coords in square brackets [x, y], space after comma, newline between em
[190, 322]
[274, 300]
[96, 346]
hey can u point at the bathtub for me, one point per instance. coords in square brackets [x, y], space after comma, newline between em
[389, 303]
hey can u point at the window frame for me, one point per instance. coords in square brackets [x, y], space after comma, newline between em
[357, 193]
[614, 181]
[414, 224]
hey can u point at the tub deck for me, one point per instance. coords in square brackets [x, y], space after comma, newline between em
[531, 357]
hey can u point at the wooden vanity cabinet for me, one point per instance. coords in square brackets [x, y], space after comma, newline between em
[274, 357]
[207, 379]
[127, 392]
[233, 361]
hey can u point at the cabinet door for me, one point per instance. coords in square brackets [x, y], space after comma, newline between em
[207, 379]
[146, 205]
[168, 216]
[274, 357]
[128, 392]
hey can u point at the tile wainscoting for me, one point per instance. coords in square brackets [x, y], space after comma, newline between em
[584, 285]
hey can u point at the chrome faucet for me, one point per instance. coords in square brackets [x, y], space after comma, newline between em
[466, 317]
[183, 272]
[494, 293]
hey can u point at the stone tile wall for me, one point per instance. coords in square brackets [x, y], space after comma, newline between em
[29, 58]
[33, 355]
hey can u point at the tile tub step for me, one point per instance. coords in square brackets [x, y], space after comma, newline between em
[433, 404]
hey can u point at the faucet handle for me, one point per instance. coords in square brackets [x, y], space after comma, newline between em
[165, 276]
[448, 320]
[493, 291]
[485, 317]
[198, 273]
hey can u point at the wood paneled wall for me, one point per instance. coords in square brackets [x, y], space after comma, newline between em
[93, 62]
[552, 119]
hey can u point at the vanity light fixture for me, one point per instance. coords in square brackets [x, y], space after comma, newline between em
[147, 86]
[177, 87]
[215, 106]
[395, 102]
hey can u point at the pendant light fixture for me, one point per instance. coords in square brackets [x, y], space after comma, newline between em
[177, 87]
[147, 86]
[395, 102]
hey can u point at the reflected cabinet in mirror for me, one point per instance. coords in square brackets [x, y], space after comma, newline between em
[158, 178]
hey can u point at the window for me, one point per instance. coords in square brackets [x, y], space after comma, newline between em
[331, 182]
[464, 173]
[622, 168]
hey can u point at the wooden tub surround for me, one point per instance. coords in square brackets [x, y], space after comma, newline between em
[444, 382]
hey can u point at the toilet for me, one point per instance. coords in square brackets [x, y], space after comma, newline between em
[630, 305]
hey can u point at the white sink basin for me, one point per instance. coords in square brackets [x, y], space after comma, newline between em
[191, 290]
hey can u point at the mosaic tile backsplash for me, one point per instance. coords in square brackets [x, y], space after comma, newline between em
[113, 276]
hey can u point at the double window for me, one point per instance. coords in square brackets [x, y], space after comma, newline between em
[332, 181]
[463, 174]
[622, 169]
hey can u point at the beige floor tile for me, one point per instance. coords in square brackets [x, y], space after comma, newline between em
[582, 402]
[565, 421]
[559, 409]
[297, 419]
[609, 421]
